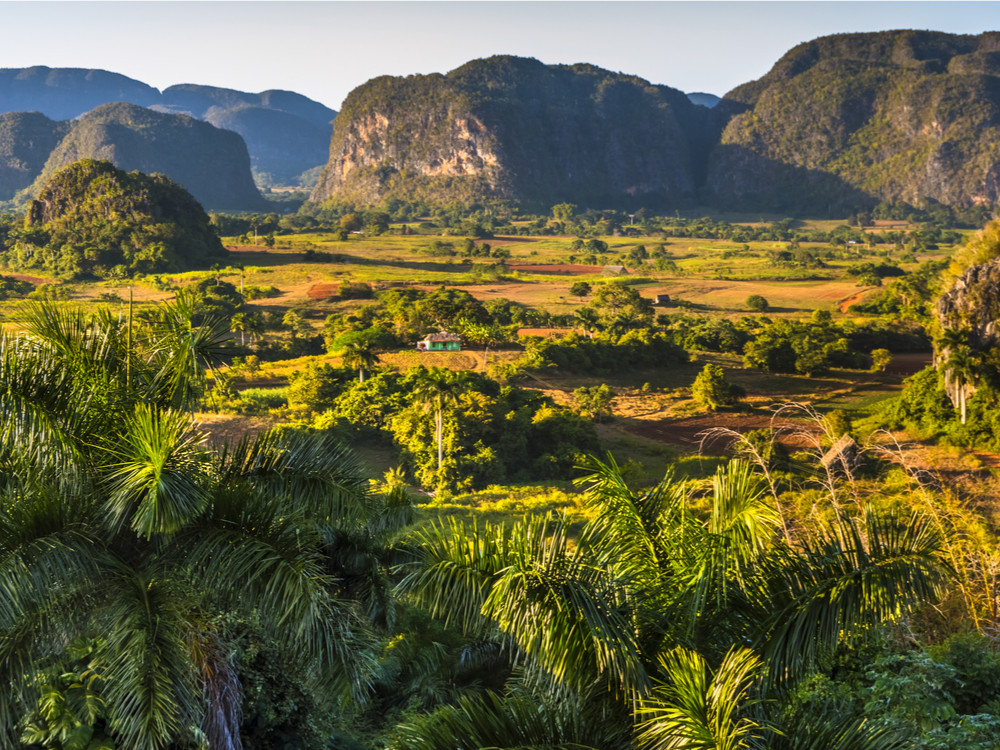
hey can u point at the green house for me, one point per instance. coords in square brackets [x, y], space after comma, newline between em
[440, 342]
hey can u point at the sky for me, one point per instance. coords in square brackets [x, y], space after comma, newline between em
[325, 49]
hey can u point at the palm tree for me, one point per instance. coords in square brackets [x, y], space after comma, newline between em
[962, 366]
[648, 577]
[359, 353]
[589, 319]
[437, 389]
[120, 529]
[182, 351]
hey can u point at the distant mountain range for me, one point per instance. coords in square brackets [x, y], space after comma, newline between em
[286, 134]
[839, 124]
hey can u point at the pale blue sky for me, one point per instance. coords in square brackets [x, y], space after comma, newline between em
[324, 49]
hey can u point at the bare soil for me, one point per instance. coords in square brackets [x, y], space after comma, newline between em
[690, 431]
[854, 299]
[573, 269]
[231, 428]
[30, 279]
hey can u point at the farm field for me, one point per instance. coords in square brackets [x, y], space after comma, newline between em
[653, 408]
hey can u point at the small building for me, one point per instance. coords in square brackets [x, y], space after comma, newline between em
[615, 271]
[662, 300]
[440, 342]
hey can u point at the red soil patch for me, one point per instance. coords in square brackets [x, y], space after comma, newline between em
[909, 363]
[324, 291]
[569, 268]
[687, 432]
[545, 332]
[30, 279]
[259, 249]
[853, 299]
[517, 239]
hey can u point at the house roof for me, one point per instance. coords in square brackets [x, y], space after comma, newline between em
[443, 336]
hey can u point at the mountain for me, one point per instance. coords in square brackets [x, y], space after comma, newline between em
[26, 140]
[853, 119]
[91, 219]
[212, 164]
[65, 93]
[287, 134]
[514, 128]
[705, 100]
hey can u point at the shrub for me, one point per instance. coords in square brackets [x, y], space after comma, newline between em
[713, 391]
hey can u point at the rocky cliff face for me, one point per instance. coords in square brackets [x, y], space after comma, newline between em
[212, 164]
[968, 314]
[973, 304]
[517, 129]
[853, 119]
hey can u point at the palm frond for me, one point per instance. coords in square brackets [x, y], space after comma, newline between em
[314, 471]
[157, 484]
[514, 722]
[152, 690]
[691, 710]
[456, 570]
[860, 573]
[569, 615]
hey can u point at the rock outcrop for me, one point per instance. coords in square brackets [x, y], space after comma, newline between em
[853, 119]
[514, 128]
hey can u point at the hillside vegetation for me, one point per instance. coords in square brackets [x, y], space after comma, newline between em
[92, 219]
[901, 116]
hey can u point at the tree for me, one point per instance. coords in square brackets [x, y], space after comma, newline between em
[589, 613]
[437, 389]
[115, 515]
[580, 289]
[712, 390]
[564, 212]
[961, 366]
[880, 359]
[594, 402]
[588, 319]
[359, 353]
[757, 303]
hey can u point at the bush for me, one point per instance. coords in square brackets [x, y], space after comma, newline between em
[713, 391]
[757, 303]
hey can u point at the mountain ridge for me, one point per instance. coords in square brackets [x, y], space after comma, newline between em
[280, 154]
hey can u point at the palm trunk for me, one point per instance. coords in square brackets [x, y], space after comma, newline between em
[361, 374]
[439, 424]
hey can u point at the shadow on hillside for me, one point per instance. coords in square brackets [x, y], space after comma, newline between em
[742, 179]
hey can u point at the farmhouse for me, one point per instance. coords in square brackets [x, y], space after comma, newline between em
[615, 271]
[440, 342]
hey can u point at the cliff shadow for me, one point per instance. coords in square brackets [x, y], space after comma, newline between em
[739, 178]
